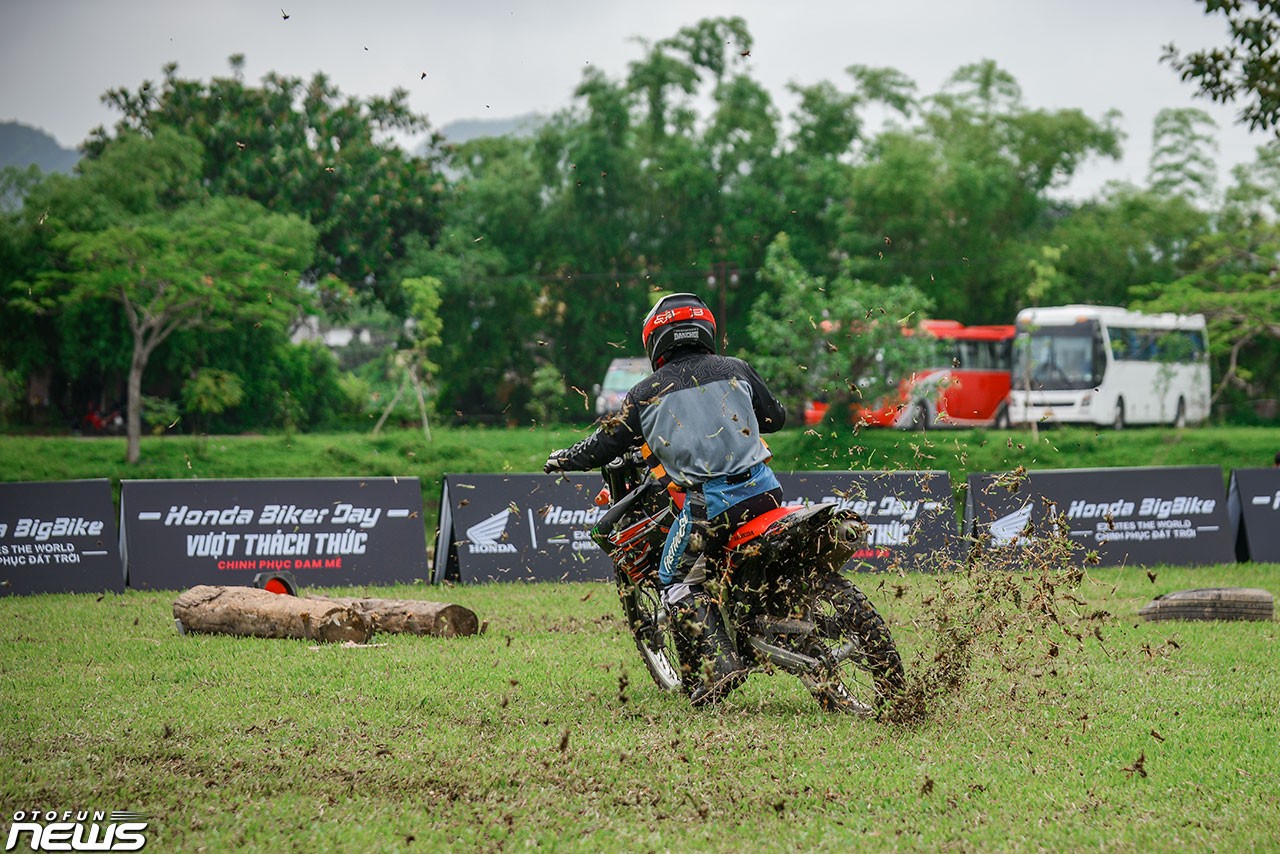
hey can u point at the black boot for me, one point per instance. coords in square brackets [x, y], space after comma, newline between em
[718, 666]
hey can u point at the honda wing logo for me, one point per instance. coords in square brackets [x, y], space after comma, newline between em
[1007, 530]
[484, 536]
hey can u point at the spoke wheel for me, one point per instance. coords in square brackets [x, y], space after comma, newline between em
[861, 666]
[655, 637]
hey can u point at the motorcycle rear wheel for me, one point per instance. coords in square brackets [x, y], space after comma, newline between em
[660, 647]
[862, 682]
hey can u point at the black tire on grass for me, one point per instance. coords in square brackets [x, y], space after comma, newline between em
[1211, 603]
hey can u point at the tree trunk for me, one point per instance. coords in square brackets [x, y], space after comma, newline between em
[413, 617]
[251, 612]
[133, 405]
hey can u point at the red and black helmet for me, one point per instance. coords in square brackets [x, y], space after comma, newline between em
[678, 320]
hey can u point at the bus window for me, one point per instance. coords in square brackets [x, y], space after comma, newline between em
[1156, 345]
[1061, 357]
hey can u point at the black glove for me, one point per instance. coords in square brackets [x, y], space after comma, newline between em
[556, 462]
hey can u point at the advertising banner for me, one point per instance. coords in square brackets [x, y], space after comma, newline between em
[910, 514]
[1253, 503]
[58, 538]
[519, 527]
[1136, 516]
[326, 531]
[531, 527]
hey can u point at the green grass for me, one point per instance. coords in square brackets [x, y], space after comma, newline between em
[1076, 726]
[546, 731]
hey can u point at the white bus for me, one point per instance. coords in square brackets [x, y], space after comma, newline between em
[1087, 364]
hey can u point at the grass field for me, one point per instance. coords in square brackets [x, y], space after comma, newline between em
[546, 731]
[1069, 723]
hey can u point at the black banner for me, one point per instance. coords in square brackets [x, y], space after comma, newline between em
[519, 527]
[326, 531]
[531, 527]
[1253, 503]
[58, 538]
[910, 513]
[1137, 516]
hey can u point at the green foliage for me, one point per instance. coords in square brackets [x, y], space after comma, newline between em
[137, 232]
[548, 247]
[423, 297]
[1245, 71]
[160, 414]
[12, 391]
[1127, 236]
[1182, 161]
[307, 150]
[548, 403]
[1045, 278]
[211, 392]
[955, 203]
[1236, 283]
[839, 340]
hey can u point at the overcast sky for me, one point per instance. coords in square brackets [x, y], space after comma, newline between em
[486, 59]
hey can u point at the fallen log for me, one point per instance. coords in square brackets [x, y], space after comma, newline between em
[250, 612]
[413, 616]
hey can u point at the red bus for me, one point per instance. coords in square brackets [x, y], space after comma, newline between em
[966, 386]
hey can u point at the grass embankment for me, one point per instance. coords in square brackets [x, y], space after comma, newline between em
[1103, 732]
[405, 453]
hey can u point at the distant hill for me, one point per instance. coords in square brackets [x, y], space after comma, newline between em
[22, 145]
[464, 130]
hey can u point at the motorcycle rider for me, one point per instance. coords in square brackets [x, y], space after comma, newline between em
[698, 419]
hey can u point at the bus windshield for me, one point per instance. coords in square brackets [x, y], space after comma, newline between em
[1060, 357]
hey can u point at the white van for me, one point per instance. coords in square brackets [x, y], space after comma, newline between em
[618, 380]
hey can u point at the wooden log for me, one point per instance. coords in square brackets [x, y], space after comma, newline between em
[414, 616]
[248, 611]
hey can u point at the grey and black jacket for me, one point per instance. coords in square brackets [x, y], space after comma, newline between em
[702, 415]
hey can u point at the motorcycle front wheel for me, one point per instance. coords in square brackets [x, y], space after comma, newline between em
[861, 668]
[661, 648]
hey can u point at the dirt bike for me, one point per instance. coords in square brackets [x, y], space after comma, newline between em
[780, 590]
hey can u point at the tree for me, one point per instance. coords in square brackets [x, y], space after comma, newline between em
[1182, 150]
[488, 259]
[1124, 237]
[212, 391]
[1247, 70]
[202, 264]
[837, 340]
[305, 149]
[1236, 285]
[961, 202]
